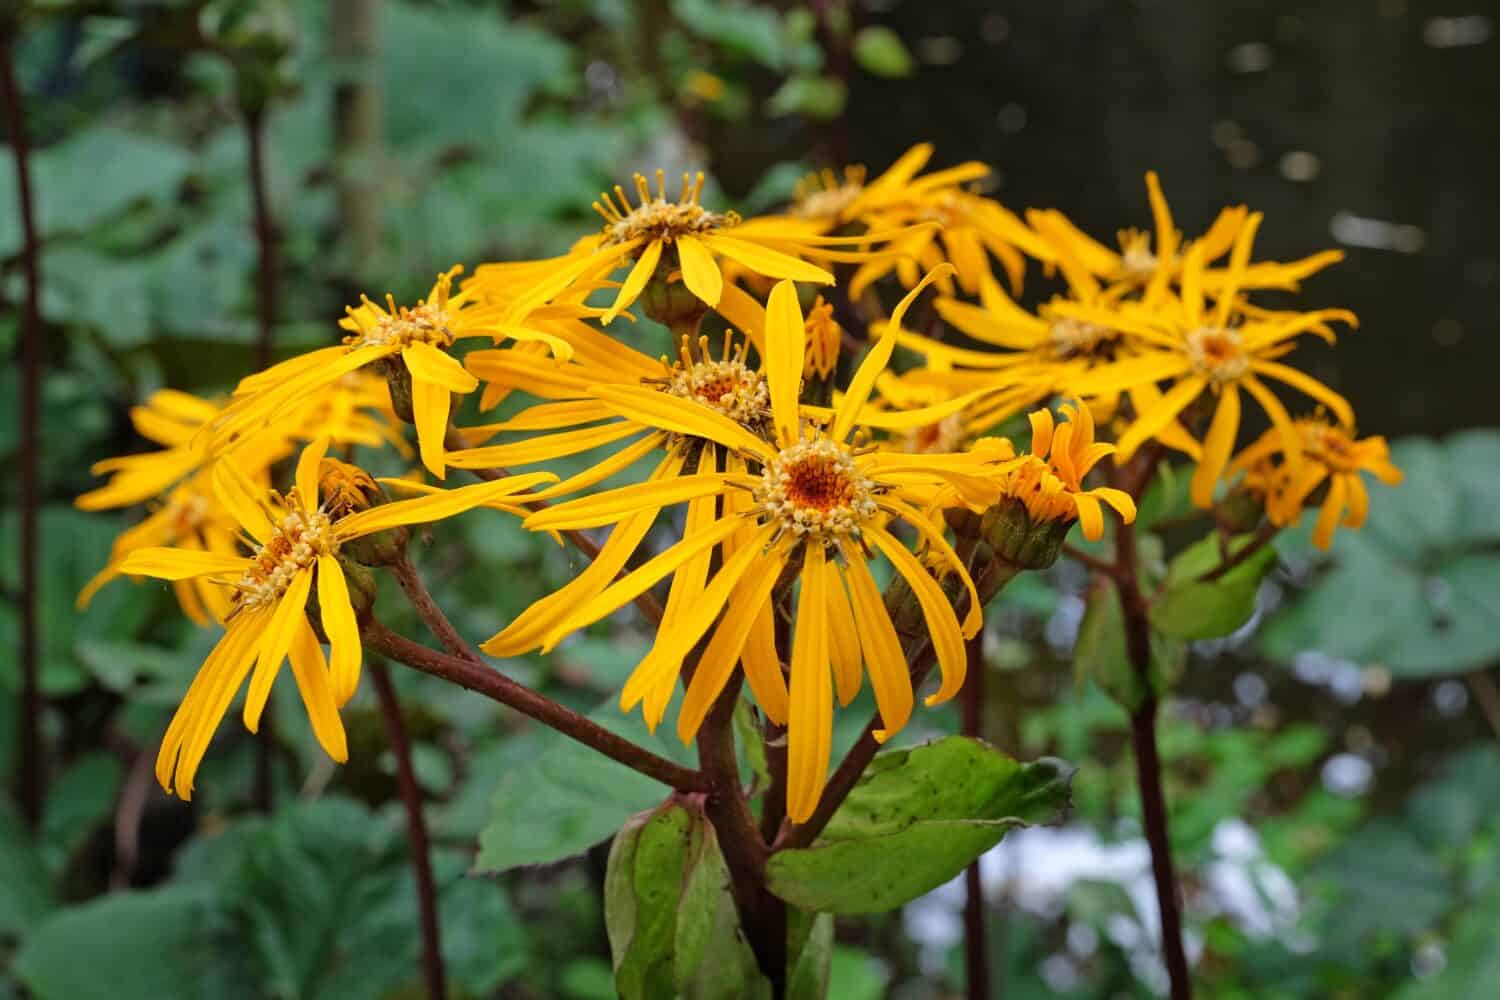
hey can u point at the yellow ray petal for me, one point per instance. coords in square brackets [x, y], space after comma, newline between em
[290, 614]
[786, 345]
[448, 503]
[699, 271]
[542, 448]
[244, 501]
[312, 677]
[811, 718]
[342, 629]
[613, 505]
[947, 638]
[641, 273]
[1217, 445]
[889, 675]
[1173, 402]
[430, 404]
[679, 415]
[181, 564]
[765, 261]
[432, 365]
[843, 642]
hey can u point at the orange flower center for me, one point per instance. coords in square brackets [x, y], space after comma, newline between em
[815, 489]
[1218, 353]
[298, 540]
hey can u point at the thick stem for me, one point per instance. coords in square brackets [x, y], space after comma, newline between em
[32, 781]
[762, 915]
[416, 829]
[1148, 764]
[976, 939]
[498, 687]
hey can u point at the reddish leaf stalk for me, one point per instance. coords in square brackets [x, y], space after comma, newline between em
[498, 687]
[32, 779]
[1143, 740]
[416, 828]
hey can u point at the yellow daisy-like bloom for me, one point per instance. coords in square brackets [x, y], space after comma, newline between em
[297, 543]
[1333, 460]
[1049, 481]
[1216, 350]
[809, 503]
[412, 342]
[680, 237]
[945, 222]
[1140, 263]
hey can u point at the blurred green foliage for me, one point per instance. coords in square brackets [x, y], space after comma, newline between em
[496, 128]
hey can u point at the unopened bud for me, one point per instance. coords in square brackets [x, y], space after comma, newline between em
[398, 380]
[673, 305]
[347, 489]
[1016, 538]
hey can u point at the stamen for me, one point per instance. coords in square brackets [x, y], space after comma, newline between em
[815, 490]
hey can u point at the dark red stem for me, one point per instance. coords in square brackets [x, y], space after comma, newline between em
[976, 939]
[498, 687]
[32, 783]
[416, 828]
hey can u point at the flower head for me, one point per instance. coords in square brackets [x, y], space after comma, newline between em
[1049, 481]
[1333, 461]
[296, 545]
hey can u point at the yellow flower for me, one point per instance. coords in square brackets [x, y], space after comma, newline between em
[808, 503]
[171, 419]
[1217, 350]
[1139, 263]
[1049, 481]
[678, 237]
[419, 336]
[190, 518]
[1333, 459]
[945, 222]
[296, 545]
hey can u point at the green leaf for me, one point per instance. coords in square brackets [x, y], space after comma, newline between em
[713, 959]
[1189, 607]
[915, 819]
[1472, 966]
[879, 50]
[642, 889]
[569, 799]
[80, 800]
[751, 30]
[28, 886]
[171, 942]
[74, 191]
[1101, 655]
[813, 96]
[810, 939]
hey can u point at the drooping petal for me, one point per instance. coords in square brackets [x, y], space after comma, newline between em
[810, 725]
[700, 273]
[312, 676]
[635, 282]
[1217, 446]
[307, 473]
[437, 506]
[244, 501]
[679, 415]
[889, 676]
[430, 404]
[181, 564]
[843, 641]
[614, 505]
[942, 623]
[1173, 402]
[291, 611]
[342, 629]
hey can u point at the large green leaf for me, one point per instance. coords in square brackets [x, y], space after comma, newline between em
[569, 799]
[915, 819]
[642, 890]
[171, 942]
[1189, 607]
[91, 176]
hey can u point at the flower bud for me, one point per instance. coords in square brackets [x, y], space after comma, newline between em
[1016, 538]
[673, 305]
[347, 489]
[398, 380]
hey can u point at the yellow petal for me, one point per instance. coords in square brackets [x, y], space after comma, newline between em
[311, 674]
[1173, 402]
[244, 501]
[889, 675]
[765, 261]
[432, 365]
[947, 638]
[876, 360]
[342, 629]
[1217, 445]
[810, 724]
[542, 447]
[843, 642]
[204, 705]
[699, 272]
[445, 504]
[786, 345]
[679, 415]
[181, 564]
[290, 614]
[613, 505]
[307, 473]
[641, 273]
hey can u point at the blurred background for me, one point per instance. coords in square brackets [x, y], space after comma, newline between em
[1333, 772]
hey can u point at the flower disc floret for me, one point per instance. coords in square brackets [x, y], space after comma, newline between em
[1070, 337]
[399, 326]
[657, 218]
[300, 537]
[1217, 353]
[730, 387]
[815, 490]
